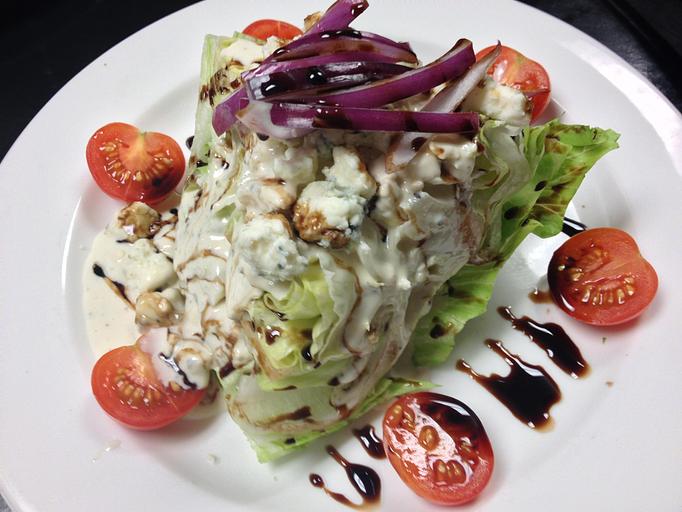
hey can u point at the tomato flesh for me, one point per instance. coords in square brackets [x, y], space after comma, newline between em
[132, 165]
[262, 29]
[599, 277]
[127, 388]
[514, 69]
[439, 447]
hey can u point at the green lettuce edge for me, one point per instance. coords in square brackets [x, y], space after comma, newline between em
[560, 156]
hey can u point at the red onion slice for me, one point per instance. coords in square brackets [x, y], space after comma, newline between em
[225, 114]
[299, 118]
[339, 15]
[315, 80]
[453, 94]
[378, 49]
[448, 67]
[331, 35]
[347, 40]
[267, 68]
[447, 100]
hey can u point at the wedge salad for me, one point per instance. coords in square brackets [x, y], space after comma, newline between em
[346, 211]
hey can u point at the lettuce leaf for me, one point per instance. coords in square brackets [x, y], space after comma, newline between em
[463, 297]
[513, 205]
[303, 319]
[263, 406]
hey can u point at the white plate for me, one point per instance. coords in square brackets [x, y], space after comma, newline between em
[615, 448]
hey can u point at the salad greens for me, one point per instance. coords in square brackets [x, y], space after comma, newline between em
[522, 184]
[550, 161]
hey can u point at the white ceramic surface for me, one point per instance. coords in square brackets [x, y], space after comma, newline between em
[613, 448]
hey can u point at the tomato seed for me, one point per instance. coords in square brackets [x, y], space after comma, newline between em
[428, 437]
[456, 472]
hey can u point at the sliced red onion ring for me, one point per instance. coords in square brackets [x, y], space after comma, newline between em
[339, 15]
[447, 100]
[267, 68]
[317, 44]
[450, 97]
[298, 118]
[448, 67]
[344, 33]
[315, 80]
[322, 49]
[225, 114]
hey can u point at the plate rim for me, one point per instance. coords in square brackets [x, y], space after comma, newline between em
[13, 495]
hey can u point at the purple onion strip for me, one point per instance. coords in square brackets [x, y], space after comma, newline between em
[448, 67]
[267, 68]
[315, 80]
[339, 15]
[225, 114]
[447, 100]
[298, 118]
[341, 41]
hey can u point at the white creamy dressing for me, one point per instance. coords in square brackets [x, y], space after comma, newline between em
[109, 321]
[384, 241]
[117, 272]
[243, 51]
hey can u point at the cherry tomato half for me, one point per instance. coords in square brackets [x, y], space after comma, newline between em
[127, 388]
[262, 29]
[600, 278]
[132, 165]
[438, 447]
[514, 69]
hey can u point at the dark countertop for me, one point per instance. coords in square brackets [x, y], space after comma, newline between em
[40, 55]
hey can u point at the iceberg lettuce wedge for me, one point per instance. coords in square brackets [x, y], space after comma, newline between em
[558, 157]
[304, 366]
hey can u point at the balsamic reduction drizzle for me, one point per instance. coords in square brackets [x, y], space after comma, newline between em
[572, 227]
[540, 296]
[364, 479]
[551, 338]
[271, 335]
[317, 481]
[174, 366]
[417, 143]
[527, 390]
[118, 288]
[370, 441]
[226, 370]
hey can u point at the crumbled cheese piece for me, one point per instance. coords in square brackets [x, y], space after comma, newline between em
[266, 195]
[458, 152]
[275, 173]
[499, 102]
[327, 215]
[271, 44]
[159, 309]
[296, 166]
[135, 221]
[243, 51]
[265, 243]
[425, 167]
[349, 173]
